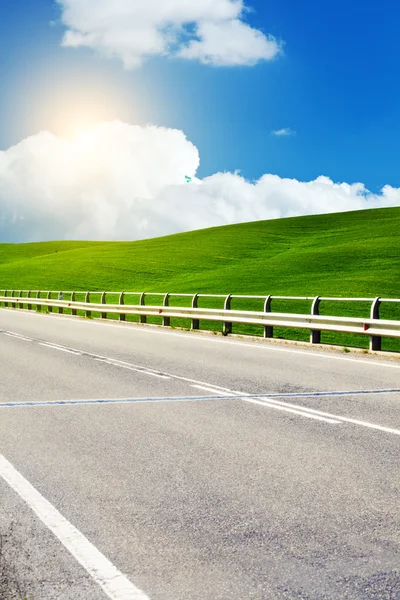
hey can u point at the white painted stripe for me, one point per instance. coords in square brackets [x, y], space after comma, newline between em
[115, 585]
[61, 348]
[18, 336]
[128, 366]
[301, 413]
[338, 417]
[265, 346]
[212, 390]
[144, 371]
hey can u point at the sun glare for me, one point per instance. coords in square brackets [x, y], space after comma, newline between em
[72, 104]
[72, 119]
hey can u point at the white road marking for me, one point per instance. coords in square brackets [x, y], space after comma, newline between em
[268, 402]
[128, 366]
[206, 339]
[115, 585]
[331, 416]
[18, 336]
[299, 412]
[145, 372]
[212, 390]
[61, 348]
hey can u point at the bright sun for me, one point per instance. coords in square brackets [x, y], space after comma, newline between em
[72, 105]
[75, 124]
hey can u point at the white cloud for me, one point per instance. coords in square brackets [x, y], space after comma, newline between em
[119, 181]
[211, 31]
[285, 132]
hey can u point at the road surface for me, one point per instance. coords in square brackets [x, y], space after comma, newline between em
[140, 463]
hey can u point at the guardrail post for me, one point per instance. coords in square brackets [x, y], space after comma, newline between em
[21, 304]
[268, 329]
[73, 311]
[195, 304]
[5, 303]
[227, 306]
[166, 320]
[13, 304]
[315, 336]
[87, 301]
[103, 301]
[60, 308]
[122, 302]
[143, 318]
[38, 307]
[49, 308]
[29, 305]
[375, 341]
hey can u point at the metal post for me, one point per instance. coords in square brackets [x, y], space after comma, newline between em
[375, 341]
[122, 317]
[103, 301]
[13, 296]
[5, 303]
[315, 336]
[60, 308]
[143, 318]
[73, 311]
[49, 308]
[38, 307]
[21, 304]
[227, 326]
[195, 304]
[268, 329]
[29, 305]
[87, 300]
[166, 320]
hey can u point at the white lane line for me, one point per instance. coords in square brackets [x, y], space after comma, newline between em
[145, 370]
[301, 413]
[18, 336]
[60, 348]
[228, 392]
[128, 366]
[150, 373]
[115, 585]
[206, 339]
[305, 409]
[212, 390]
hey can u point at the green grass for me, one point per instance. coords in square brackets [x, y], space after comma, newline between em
[352, 254]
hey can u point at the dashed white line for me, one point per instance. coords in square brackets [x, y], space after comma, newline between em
[267, 402]
[199, 338]
[18, 336]
[61, 348]
[213, 390]
[305, 409]
[128, 366]
[298, 411]
[145, 372]
[114, 584]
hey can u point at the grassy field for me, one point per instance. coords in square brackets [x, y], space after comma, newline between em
[346, 254]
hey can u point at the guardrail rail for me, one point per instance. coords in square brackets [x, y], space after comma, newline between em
[373, 327]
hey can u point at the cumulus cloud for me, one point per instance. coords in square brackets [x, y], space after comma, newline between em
[122, 182]
[211, 31]
[285, 132]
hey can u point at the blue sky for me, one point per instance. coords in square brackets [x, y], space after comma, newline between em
[224, 73]
[337, 85]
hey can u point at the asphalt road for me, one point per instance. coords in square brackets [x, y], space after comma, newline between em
[138, 463]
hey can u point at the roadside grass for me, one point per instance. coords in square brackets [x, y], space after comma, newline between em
[355, 254]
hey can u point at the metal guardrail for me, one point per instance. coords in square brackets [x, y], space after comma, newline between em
[373, 327]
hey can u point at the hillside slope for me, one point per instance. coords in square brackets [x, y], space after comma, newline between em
[355, 253]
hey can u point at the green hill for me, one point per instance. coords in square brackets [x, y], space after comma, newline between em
[341, 254]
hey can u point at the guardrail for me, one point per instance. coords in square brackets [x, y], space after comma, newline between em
[373, 327]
